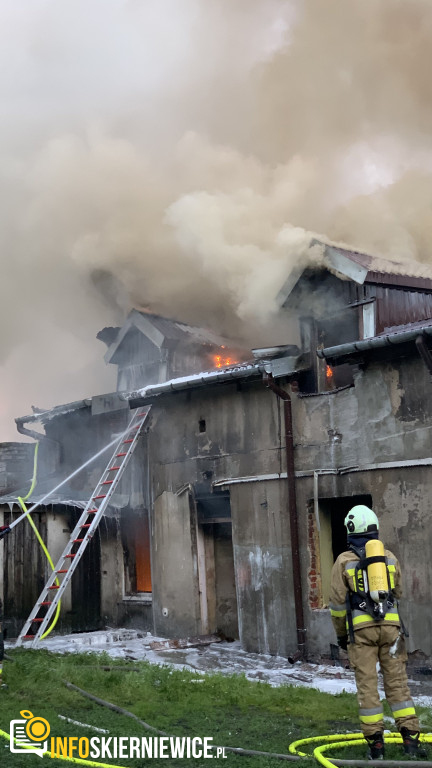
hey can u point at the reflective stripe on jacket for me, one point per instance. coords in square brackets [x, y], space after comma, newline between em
[343, 579]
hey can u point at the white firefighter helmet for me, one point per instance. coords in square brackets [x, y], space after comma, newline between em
[361, 519]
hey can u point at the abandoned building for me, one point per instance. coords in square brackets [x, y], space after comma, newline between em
[230, 514]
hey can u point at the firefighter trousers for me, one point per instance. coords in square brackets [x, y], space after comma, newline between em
[385, 644]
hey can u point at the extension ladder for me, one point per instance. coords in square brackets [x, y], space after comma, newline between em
[82, 534]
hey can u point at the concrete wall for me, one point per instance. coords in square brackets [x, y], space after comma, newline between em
[175, 567]
[242, 437]
[386, 417]
[262, 556]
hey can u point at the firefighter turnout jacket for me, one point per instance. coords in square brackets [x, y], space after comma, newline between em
[348, 605]
[374, 637]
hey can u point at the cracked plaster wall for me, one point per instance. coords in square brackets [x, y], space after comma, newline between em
[385, 417]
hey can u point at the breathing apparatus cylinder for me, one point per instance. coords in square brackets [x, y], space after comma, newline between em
[377, 573]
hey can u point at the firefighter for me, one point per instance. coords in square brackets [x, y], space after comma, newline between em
[367, 624]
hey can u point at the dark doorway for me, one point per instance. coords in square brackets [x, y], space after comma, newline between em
[218, 595]
[332, 534]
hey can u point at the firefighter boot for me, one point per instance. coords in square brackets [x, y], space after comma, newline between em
[376, 746]
[411, 743]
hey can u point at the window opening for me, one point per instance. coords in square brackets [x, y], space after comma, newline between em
[202, 425]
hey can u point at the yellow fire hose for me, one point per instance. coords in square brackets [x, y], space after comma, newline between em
[338, 741]
[335, 741]
[76, 760]
[22, 501]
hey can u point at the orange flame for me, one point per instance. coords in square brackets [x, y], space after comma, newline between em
[329, 372]
[222, 362]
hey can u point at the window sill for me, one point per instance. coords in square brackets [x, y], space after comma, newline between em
[144, 598]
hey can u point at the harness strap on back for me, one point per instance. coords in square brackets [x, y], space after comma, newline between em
[364, 595]
[349, 618]
[375, 559]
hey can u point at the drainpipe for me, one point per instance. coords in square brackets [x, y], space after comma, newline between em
[293, 518]
[424, 352]
[38, 436]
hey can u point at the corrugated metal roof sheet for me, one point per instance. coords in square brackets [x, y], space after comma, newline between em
[405, 273]
[420, 325]
[396, 307]
[357, 267]
[173, 329]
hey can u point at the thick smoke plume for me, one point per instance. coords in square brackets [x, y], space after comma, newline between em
[177, 154]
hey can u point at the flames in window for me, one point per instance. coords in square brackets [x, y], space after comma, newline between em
[329, 378]
[224, 359]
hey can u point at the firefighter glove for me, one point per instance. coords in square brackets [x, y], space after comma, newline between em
[4, 529]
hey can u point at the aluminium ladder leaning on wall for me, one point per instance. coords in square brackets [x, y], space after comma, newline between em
[83, 532]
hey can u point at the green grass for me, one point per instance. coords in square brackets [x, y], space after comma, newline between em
[231, 710]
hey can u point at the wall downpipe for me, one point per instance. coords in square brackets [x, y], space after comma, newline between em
[293, 518]
[30, 432]
[424, 352]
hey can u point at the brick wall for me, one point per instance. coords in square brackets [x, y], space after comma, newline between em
[16, 466]
[314, 572]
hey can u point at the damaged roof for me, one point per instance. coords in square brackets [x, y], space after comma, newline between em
[111, 401]
[161, 330]
[277, 366]
[376, 269]
[44, 416]
[360, 268]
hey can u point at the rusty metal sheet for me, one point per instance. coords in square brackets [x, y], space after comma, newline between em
[401, 281]
[401, 307]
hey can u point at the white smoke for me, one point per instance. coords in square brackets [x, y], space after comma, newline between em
[177, 154]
